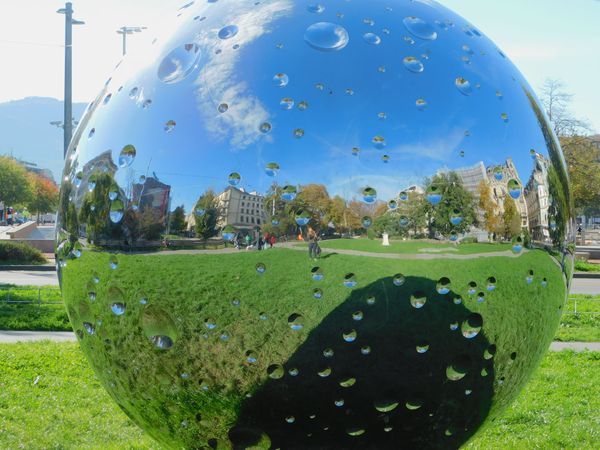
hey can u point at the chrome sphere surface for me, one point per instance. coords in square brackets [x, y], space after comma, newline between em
[327, 225]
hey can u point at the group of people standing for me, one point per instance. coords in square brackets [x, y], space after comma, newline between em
[262, 241]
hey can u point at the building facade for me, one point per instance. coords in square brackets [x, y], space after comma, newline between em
[240, 209]
[498, 178]
[537, 198]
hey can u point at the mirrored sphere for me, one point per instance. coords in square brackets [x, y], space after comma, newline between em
[315, 227]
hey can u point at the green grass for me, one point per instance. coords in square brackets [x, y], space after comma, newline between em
[572, 328]
[581, 266]
[559, 408]
[68, 408]
[519, 317]
[583, 327]
[406, 247]
[31, 316]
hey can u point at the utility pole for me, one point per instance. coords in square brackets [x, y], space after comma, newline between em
[128, 30]
[68, 116]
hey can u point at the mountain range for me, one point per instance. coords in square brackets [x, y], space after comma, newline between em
[26, 132]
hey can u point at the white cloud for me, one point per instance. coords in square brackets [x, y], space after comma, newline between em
[218, 81]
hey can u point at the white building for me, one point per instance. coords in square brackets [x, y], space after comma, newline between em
[537, 199]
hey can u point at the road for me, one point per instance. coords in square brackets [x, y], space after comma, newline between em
[29, 278]
[586, 286]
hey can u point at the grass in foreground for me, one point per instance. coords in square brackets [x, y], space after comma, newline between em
[34, 317]
[583, 326]
[581, 266]
[67, 408]
[404, 247]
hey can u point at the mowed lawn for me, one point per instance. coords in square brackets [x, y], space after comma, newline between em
[412, 246]
[581, 321]
[51, 399]
[202, 288]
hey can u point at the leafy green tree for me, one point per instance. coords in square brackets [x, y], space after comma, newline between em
[15, 185]
[583, 163]
[389, 223]
[95, 208]
[280, 210]
[511, 218]
[416, 210]
[206, 215]
[177, 220]
[457, 203]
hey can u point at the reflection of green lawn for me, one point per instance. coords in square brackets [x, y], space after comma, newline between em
[199, 289]
[374, 246]
[68, 409]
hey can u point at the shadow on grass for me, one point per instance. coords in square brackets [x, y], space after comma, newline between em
[359, 381]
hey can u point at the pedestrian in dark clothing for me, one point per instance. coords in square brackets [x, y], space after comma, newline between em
[313, 244]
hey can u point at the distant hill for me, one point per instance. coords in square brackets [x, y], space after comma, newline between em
[26, 133]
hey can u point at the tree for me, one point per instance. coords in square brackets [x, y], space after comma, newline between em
[44, 196]
[416, 211]
[206, 215]
[455, 213]
[337, 214]
[95, 208]
[488, 207]
[511, 218]
[177, 220]
[556, 101]
[583, 162]
[15, 186]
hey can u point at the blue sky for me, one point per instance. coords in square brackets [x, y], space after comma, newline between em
[216, 143]
[545, 38]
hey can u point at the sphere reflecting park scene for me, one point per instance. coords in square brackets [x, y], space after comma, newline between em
[299, 127]
[334, 225]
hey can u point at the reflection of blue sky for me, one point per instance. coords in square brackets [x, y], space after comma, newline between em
[206, 145]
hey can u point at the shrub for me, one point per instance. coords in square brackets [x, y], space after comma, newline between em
[15, 252]
[581, 266]
[469, 240]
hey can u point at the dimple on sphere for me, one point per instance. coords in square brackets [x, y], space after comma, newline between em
[334, 225]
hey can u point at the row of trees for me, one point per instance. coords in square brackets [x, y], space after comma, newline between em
[413, 215]
[20, 188]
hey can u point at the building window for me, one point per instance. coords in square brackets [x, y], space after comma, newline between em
[252, 219]
[241, 218]
[258, 221]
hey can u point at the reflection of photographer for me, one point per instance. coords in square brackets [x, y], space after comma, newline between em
[314, 250]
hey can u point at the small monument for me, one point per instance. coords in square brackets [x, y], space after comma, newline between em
[386, 240]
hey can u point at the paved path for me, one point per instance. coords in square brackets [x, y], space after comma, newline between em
[577, 346]
[33, 278]
[427, 253]
[586, 286]
[10, 337]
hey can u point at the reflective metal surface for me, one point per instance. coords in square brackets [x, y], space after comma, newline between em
[226, 204]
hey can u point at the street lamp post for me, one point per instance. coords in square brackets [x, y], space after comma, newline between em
[128, 30]
[67, 122]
